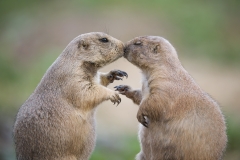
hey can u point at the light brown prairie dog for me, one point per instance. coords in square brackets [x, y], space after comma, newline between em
[181, 121]
[57, 121]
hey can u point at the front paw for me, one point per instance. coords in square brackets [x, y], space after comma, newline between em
[116, 75]
[143, 118]
[123, 89]
[115, 98]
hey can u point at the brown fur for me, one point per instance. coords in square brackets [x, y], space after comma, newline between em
[182, 121]
[57, 121]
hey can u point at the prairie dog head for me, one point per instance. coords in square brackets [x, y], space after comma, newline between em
[95, 48]
[148, 52]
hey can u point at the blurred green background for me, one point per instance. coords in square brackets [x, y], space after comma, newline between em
[206, 35]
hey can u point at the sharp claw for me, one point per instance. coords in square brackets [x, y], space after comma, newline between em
[121, 73]
[126, 75]
[117, 78]
[117, 88]
[145, 125]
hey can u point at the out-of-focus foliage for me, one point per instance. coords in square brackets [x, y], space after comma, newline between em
[120, 148]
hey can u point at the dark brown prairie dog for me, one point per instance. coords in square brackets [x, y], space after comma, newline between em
[57, 121]
[182, 121]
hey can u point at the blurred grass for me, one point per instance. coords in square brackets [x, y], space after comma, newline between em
[233, 132]
[118, 149]
[209, 29]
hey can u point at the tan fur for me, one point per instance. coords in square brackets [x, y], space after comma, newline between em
[57, 121]
[183, 122]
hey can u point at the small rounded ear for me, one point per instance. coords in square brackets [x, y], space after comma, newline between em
[83, 44]
[156, 49]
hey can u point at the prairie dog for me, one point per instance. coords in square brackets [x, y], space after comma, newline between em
[57, 121]
[179, 120]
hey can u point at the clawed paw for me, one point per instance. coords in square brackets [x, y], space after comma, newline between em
[122, 89]
[143, 119]
[116, 75]
[115, 98]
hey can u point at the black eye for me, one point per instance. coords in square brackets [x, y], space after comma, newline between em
[104, 40]
[138, 43]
